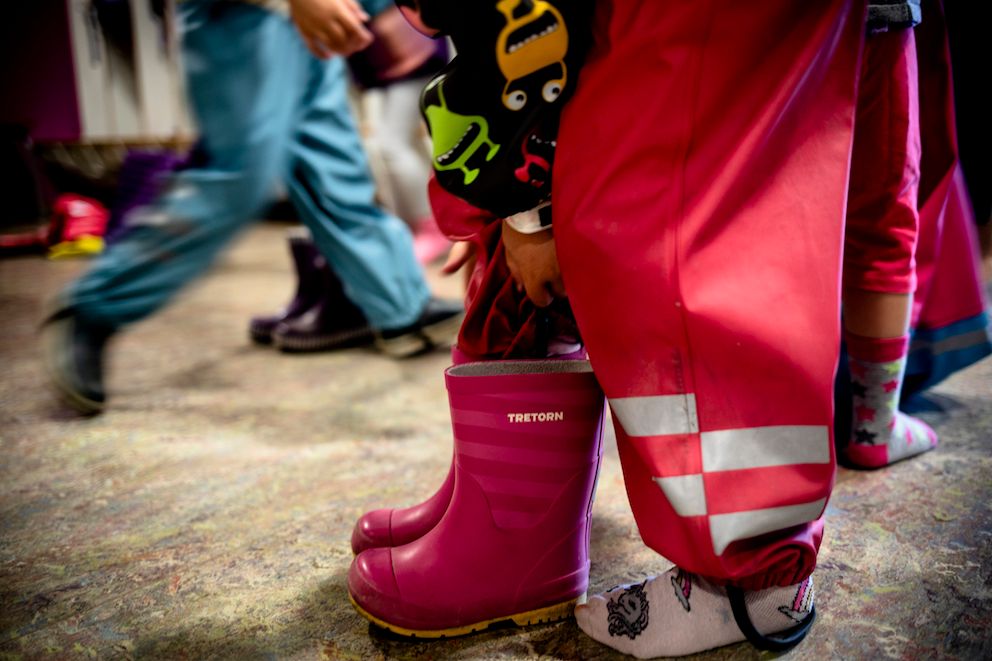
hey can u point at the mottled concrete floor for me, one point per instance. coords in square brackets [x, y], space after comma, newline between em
[207, 513]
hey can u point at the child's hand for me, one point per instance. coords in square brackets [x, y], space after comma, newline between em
[461, 253]
[533, 262]
[331, 27]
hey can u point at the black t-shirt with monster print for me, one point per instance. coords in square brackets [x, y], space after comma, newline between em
[493, 110]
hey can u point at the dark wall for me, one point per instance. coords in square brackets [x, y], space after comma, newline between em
[37, 80]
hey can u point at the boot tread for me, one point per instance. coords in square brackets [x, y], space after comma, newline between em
[544, 615]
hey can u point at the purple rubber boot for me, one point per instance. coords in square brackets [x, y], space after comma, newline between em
[309, 265]
[513, 543]
[332, 322]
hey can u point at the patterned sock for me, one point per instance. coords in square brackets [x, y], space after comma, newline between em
[880, 433]
[679, 613]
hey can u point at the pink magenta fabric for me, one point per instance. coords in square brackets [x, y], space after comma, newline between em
[700, 237]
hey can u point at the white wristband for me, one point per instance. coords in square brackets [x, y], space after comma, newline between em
[528, 222]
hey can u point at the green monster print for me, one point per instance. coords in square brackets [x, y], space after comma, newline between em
[456, 138]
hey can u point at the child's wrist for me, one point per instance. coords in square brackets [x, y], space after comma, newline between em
[531, 221]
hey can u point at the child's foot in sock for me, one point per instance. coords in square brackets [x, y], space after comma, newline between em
[903, 437]
[880, 433]
[679, 613]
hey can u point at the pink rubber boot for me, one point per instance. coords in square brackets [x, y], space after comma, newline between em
[398, 526]
[513, 544]
[395, 527]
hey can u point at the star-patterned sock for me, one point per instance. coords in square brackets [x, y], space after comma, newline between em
[679, 613]
[880, 433]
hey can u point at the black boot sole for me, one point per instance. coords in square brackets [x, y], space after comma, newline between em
[310, 343]
[259, 336]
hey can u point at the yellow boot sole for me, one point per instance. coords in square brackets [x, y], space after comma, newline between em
[544, 615]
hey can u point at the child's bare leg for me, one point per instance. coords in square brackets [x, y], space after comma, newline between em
[876, 314]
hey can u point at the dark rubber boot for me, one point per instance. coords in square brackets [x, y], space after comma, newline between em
[73, 353]
[310, 267]
[332, 322]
